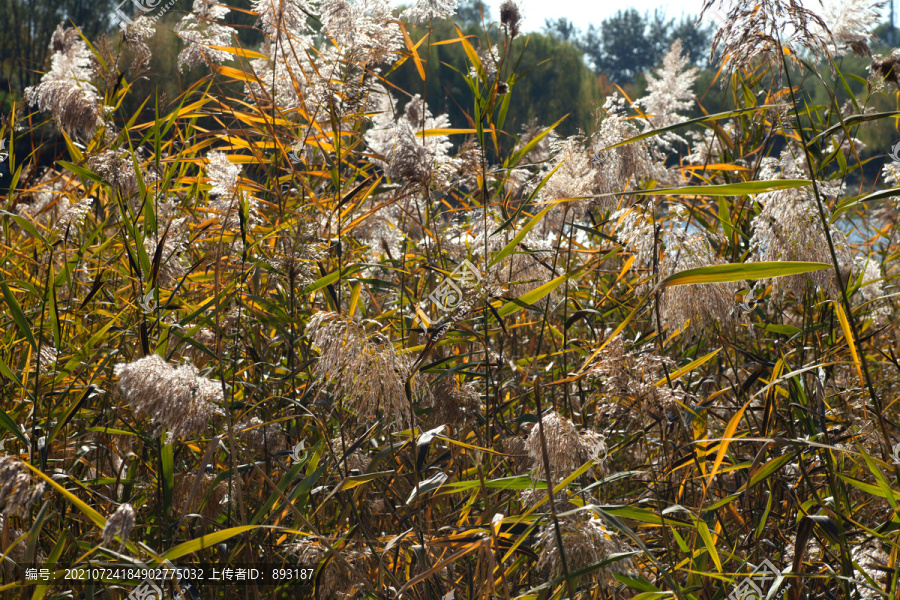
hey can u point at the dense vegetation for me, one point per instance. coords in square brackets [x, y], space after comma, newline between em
[338, 297]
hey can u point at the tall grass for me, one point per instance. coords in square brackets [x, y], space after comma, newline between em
[295, 318]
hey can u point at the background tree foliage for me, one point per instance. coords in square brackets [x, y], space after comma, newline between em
[27, 27]
[555, 80]
[629, 43]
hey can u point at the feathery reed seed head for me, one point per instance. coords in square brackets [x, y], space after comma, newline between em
[363, 369]
[789, 228]
[770, 30]
[17, 490]
[630, 377]
[567, 449]
[670, 91]
[136, 35]
[585, 542]
[454, 404]
[199, 30]
[66, 90]
[703, 305]
[510, 17]
[116, 168]
[119, 523]
[851, 23]
[223, 174]
[176, 399]
[424, 11]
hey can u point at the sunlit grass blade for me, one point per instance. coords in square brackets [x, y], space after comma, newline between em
[741, 272]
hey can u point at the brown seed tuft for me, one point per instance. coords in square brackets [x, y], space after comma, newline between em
[17, 490]
[120, 523]
[510, 17]
[176, 399]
